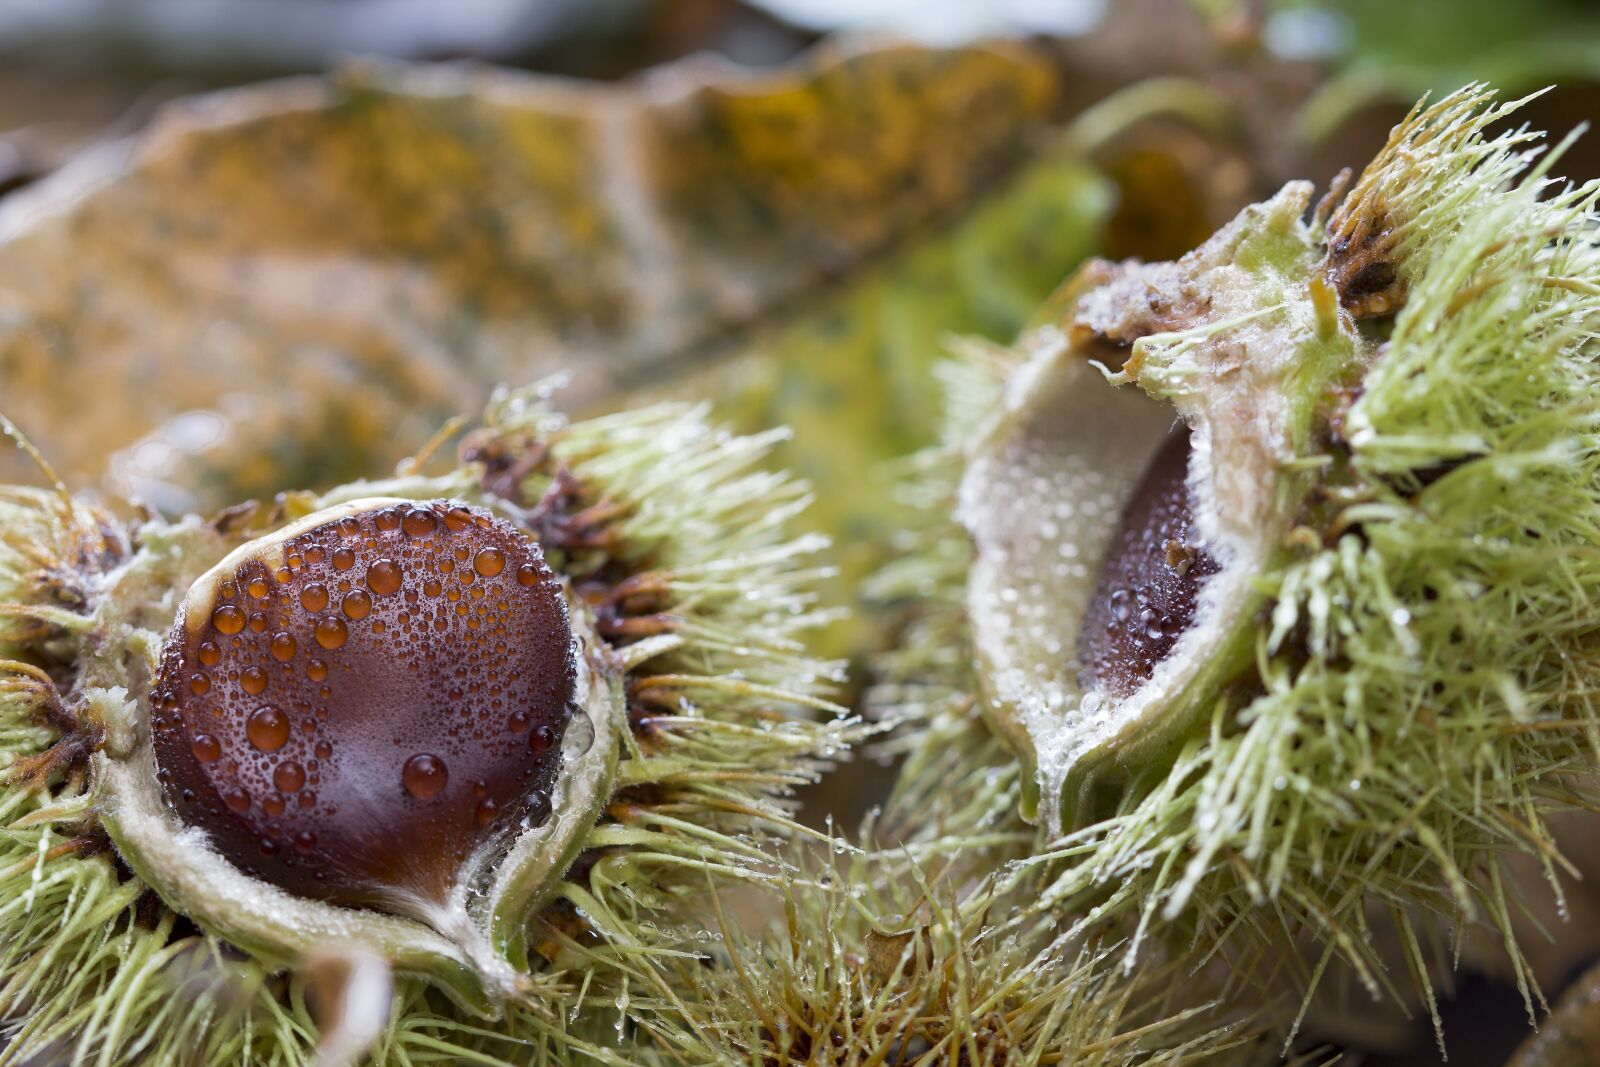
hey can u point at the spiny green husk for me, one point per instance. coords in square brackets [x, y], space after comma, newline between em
[96, 969]
[1421, 663]
[882, 959]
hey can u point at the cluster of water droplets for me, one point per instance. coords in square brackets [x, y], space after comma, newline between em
[408, 667]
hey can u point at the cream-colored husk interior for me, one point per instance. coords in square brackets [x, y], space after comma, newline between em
[1050, 471]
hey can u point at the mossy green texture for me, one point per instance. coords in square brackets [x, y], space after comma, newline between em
[396, 239]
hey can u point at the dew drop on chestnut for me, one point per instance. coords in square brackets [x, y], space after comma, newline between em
[253, 680]
[289, 776]
[383, 577]
[357, 605]
[424, 776]
[332, 633]
[419, 522]
[486, 811]
[268, 729]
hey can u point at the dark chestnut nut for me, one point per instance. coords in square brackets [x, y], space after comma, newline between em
[1150, 577]
[349, 712]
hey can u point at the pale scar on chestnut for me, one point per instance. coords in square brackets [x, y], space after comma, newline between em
[1150, 579]
[347, 714]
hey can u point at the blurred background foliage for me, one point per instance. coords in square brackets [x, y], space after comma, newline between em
[782, 207]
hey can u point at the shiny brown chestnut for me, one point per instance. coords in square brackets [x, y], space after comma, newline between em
[1150, 578]
[351, 711]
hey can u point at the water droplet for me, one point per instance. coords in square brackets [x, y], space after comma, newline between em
[323, 750]
[199, 683]
[519, 721]
[267, 728]
[489, 562]
[274, 804]
[357, 604]
[228, 590]
[315, 554]
[268, 846]
[527, 574]
[332, 633]
[314, 597]
[343, 559]
[206, 749]
[209, 653]
[486, 811]
[432, 587]
[228, 619]
[538, 810]
[388, 520]
[316, 670]
[457, 518]
[383, 577]
[419, 522]
[238, 801]
[1121, 605]
[579, 734]
[289, 776]
[1152, 624]
[283, 646]
[253, 680]
[305, 840]
[424, 776]
[257, 587]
